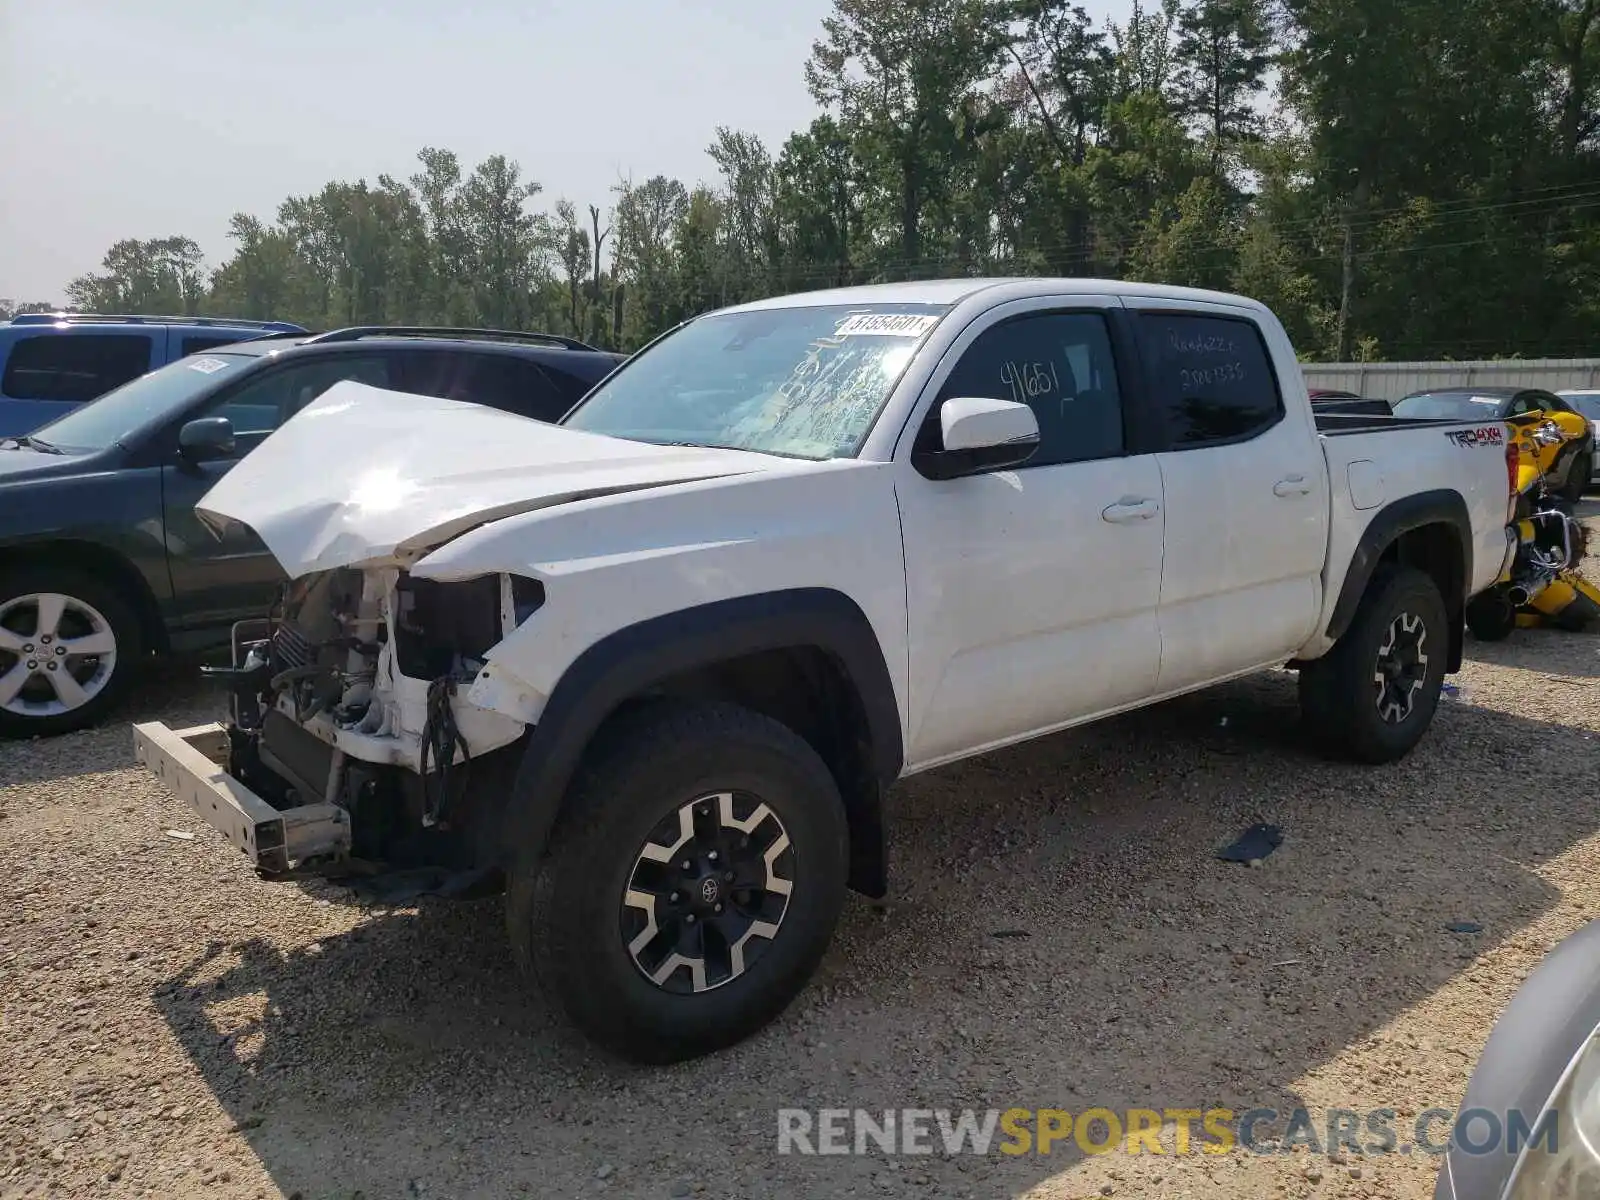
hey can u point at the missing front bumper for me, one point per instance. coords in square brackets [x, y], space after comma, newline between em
[190, 762]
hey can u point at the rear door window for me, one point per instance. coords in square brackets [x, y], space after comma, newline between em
[194, 343]
[73, 367]
[500, 381]
[1211, 379]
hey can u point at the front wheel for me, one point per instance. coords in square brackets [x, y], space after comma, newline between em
[1373, 696]
[68, 645]
[693, 885]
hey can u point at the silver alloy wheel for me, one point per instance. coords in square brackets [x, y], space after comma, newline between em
[1402, 668]
[57, 653]
[708, 892]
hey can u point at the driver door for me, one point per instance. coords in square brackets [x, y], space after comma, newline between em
[1032, 593]
[219, 580]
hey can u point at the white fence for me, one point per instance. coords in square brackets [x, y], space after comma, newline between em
[1391, 380]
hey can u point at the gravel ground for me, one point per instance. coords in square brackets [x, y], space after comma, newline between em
[171, 1026]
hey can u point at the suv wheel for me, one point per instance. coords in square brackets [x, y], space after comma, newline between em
[68, 646]
[1373, 696]
[693, 886]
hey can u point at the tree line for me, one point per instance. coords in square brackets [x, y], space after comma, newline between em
[1396, 178]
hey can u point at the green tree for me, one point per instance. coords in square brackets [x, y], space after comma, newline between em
[896, 73]
[647, 217]
[160, 275]
[1223, 51]
[817, 209]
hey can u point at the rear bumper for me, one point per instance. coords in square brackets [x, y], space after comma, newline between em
[190, 762]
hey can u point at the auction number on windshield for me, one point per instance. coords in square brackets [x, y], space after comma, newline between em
[1196, 377]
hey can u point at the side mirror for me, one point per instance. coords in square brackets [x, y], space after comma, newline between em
[206, 438]
[980, 435]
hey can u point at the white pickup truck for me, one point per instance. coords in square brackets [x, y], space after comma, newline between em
[654, 666]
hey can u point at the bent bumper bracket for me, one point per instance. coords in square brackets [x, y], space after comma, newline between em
[190, 762]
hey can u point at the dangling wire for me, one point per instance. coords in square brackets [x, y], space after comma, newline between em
[440, 739]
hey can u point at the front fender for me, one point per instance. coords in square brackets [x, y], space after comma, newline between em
[629, 662]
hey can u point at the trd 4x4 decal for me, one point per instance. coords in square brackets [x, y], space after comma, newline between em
[1487, 435]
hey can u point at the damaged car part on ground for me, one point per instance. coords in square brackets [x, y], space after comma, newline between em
[657, 664]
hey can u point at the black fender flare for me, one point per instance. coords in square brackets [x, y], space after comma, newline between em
[1442, 506]
[626, 663]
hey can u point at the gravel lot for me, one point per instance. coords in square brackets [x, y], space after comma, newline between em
[171, 1026]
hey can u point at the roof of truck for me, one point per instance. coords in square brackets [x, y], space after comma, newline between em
[952, 291]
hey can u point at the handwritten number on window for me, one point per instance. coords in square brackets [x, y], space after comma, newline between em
[1197, 377]
[1029, 381]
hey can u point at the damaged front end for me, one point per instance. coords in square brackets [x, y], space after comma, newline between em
[351, 730]
[368, 726]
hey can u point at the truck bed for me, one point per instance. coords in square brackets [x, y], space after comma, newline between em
[1336, 424]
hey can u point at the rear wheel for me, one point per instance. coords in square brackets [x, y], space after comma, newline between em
[1491, 617]
[68, 647]
[694, 885]
[1373, 696]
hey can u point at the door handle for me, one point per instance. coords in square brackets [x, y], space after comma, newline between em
[1130, 509]
[1295, 485]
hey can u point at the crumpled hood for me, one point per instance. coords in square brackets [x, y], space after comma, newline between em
[364, 475]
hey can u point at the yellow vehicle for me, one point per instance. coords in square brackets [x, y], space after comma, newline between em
[1562, 457]
[1543, 584]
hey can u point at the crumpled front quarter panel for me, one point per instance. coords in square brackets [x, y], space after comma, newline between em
[613, 562]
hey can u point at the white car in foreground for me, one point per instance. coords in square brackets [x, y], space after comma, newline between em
[656, 665]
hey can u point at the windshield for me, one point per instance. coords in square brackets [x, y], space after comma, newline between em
[1450, 406]
[1587, 403]
[99, 423]
[800, 382]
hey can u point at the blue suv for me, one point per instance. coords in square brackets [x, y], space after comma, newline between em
[52, 362]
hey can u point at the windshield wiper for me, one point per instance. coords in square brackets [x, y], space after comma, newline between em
[29, 442]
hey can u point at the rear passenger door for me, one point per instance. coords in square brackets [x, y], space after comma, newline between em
[1246, 494]
[50, 372]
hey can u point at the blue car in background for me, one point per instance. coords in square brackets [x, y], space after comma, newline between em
[52, 362]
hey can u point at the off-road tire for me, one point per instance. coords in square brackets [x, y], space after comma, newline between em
[124, 625]
[1491, 617]
[1339, 696]
[564, 911]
